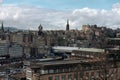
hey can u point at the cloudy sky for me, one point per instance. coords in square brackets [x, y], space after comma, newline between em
[52, 14]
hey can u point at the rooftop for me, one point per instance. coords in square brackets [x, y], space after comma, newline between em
[3, 41]
[116, 48]
[70, 49]
[35, 64]
[91, 50]
[114, 38]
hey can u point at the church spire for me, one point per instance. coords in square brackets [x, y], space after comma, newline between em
[2, 27]
[40, 27]
[40, 30]
[67, 26]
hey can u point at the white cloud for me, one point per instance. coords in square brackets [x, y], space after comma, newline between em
[1, 1]
[30, 17]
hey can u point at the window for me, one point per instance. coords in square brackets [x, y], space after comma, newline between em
[46, 71]
[55, 70]
[75, 76]
[69, 77]
[42, 71]
[50, 78]
[35, 71]
[51, 71]
[92, 79]
[97, 74]
[56, 77]
[60, 70]
[63, 77]
[69, 69]
[66, 70]
[29, 79]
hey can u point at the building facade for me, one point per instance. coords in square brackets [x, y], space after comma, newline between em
[71, 70]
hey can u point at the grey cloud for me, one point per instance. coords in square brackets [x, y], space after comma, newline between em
[30, 17]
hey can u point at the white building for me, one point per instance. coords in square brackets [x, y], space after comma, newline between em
[4, 45]
[15, 50]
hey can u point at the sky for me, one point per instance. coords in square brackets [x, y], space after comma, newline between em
[53, 14]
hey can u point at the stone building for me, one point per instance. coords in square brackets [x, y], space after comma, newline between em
[26, 51]
[91, 36]
[71, 70]
[118, 35]
[4, 46]
[17, 37]
[93, 54]
[113, 42]
[15, 50]
[11, 49]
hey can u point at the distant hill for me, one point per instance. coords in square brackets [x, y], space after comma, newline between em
[11, 29]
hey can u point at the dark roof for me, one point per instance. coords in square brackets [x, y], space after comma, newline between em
[58, 62]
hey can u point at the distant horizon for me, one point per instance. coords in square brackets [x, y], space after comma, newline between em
[56, 29]
[28, 14]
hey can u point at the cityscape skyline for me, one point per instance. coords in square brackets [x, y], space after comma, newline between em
[59, 40]
[29, 14]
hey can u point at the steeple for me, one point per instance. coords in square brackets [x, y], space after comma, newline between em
[2, 27]
[67, 26]
[40, 28]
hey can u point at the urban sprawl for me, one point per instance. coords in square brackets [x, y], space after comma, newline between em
[92, 53]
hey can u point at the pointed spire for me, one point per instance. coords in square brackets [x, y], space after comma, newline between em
[67, 21]
[40, 27]
[2, 27]
[67, 26]
[40, 30]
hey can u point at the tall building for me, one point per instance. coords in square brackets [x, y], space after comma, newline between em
[17, 37]
[2, 27]
[15, 50]
[40, 30]
[2, 37]
[67, 26]
[4, 45]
